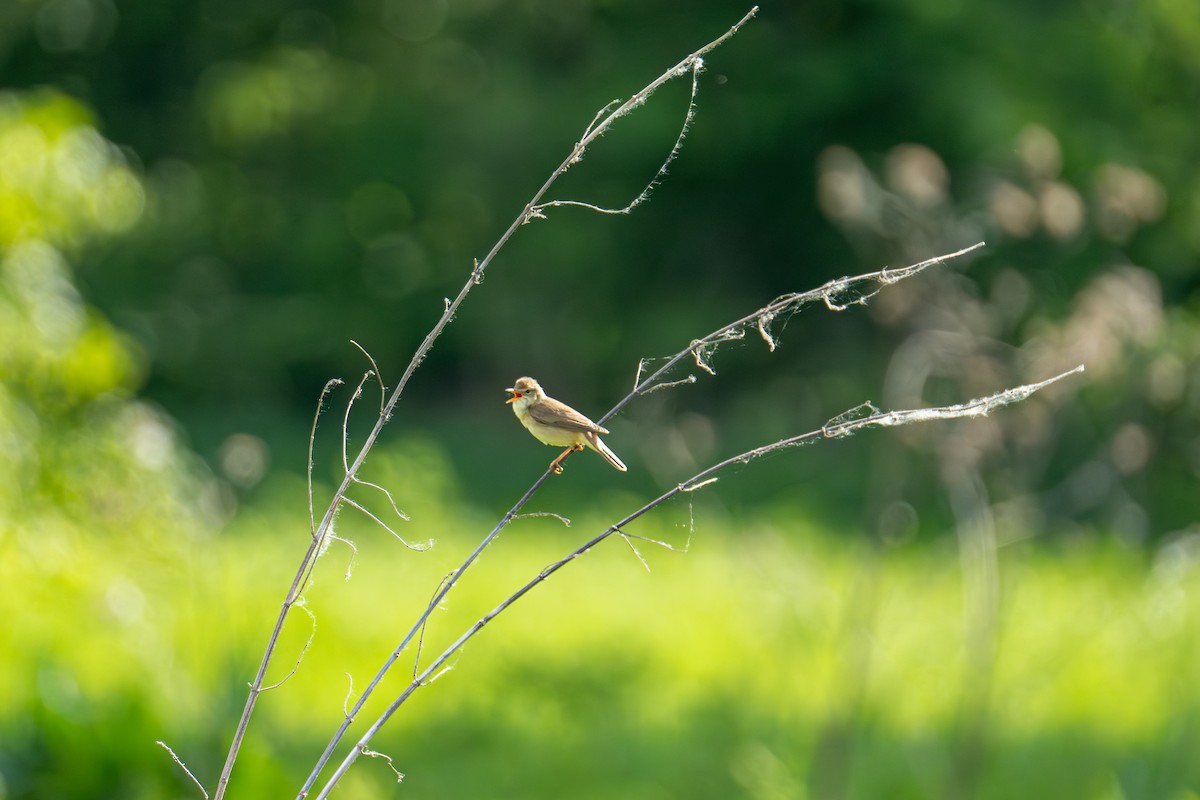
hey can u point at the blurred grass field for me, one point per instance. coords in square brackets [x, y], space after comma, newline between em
[773, 660]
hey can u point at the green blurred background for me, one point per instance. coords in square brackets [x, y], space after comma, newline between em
[202, 202]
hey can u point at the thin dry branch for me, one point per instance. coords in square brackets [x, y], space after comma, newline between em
[416, 630]
[349, 694]
[333, 537]
[628, 538]
[420, 547]
[375, 371]
[866, 286]
[358, 390]
[312, 439]
[388, 759]
[598, 127]
[566, 522]
[303, 573]
[978, 407]
[312, 634]
[391, 501]
[636, 553]
[658, 542]
[183, 767]
[837, 295]
[696, 66]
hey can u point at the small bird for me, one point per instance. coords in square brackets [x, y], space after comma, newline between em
[557, 424]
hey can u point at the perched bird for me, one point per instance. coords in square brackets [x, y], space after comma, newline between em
[557, 424]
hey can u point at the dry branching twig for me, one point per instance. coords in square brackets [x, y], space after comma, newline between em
[533, 209]
[312, 634]
[836, 295]
[844, 425]
[183, 767]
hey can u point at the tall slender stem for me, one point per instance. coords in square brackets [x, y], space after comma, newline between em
[530, 211]
[844, 425]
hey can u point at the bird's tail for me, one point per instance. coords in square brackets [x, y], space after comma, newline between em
[609, 456]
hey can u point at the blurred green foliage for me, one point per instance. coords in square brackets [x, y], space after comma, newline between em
[305, 175]
[783, 662]
[201, 202]
[96, 495]
[81, 453]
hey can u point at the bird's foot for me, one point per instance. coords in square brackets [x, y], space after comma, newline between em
[557, 463]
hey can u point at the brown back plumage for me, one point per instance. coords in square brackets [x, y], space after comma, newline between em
[549, 411]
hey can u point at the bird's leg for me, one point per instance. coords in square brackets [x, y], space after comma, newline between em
[556, 464]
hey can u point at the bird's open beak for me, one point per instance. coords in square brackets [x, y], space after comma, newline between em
[515, 395]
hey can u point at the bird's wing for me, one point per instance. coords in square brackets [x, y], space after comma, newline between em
[559, 415]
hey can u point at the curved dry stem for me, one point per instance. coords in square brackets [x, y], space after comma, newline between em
[303, 573]
[977, 407]
[633, 549]
[183, 767]
[312, 439]
[597, 128]
[312, 634]
[866, 286]
[659, 542]
[420, 547]
[388, 495]
[599, 125]
[358, 390]
[386, 758]
[333, 537]
[566, 522]
[349, 694]
[693, 63]
[447, 584]
[696, 66]
[375, 371]
[837, 295]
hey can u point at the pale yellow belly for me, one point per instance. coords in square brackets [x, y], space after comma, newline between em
[557, 437]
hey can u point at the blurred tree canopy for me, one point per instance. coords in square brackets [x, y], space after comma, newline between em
[76, 439]
[240, 188]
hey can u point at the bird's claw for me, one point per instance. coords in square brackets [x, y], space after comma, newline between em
[556, 464]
